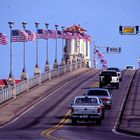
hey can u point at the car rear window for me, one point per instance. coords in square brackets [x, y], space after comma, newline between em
[86, 100]
[97, 93]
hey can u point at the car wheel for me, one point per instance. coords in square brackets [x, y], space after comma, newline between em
[74, 121]
[117, 86]
[99, 122]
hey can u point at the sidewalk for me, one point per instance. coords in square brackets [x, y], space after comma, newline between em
[15, 107]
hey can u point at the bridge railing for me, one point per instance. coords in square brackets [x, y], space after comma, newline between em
[13, 91]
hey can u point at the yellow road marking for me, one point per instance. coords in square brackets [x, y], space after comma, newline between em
[95, 85]
[48, 133]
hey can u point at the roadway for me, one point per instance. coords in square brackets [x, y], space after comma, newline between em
[50, 118]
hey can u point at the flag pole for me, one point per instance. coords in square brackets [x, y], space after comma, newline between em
[47, 66]
[11, 80]
[55, 61]
[62, 61]
[37, 69]
[24, 75]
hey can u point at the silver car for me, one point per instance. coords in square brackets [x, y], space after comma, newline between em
[103, 94]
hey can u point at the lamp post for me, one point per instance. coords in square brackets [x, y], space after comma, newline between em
[94, 59]
[24, 75]
[11, 80]
[62, 61]
[55, 61]
[47, 66]
[37, 70]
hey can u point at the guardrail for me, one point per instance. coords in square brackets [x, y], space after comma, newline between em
[13, 91]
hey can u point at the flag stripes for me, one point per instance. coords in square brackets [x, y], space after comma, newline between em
[3, 39]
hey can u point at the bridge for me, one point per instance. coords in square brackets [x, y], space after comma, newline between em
[43, 110]
[39, 107]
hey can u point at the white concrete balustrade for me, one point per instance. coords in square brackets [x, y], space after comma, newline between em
[13, 91]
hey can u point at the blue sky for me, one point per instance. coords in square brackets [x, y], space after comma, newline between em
[101, 19]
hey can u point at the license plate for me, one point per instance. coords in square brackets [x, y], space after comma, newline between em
[84, 116]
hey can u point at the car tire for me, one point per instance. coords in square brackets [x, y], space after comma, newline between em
[100, 85]
[117, 86]
[99, 122]
[74, 121]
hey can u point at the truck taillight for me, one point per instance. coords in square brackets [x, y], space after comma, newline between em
[105, 99]
[99, 109]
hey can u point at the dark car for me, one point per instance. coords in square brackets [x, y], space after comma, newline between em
[117, 70]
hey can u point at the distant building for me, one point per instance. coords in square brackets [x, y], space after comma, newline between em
[77, 48]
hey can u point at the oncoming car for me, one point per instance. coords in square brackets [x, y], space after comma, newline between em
[129, 67]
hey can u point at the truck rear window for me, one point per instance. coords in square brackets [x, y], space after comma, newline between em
[86, 100]
[97, 93]
[109, 74]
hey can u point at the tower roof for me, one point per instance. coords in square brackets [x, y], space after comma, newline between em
[75, 28]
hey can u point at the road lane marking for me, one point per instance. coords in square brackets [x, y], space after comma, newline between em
[48, 133]
[95, 85]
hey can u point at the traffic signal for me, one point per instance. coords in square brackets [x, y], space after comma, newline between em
[119, 49]
[107, 49]
[137, 29]
[120, 29]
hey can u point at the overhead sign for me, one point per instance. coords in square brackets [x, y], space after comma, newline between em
[129, 30]
[113, 49]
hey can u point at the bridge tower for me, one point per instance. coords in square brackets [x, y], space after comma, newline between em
[77, 49]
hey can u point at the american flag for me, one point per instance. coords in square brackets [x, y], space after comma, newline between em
[41, 34]
[67, 35]
[19, 36]
[54, 34]
[86, 37]
[49, 34]
[100, 55]
[59, 34]
[3, 39]
[31, 35]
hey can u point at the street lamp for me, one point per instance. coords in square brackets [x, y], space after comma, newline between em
[24, 75]
[37, 70]
[55, 61]
[47, 67]
[62, 62]
[11, 80]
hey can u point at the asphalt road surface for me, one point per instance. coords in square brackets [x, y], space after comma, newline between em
[50, 119]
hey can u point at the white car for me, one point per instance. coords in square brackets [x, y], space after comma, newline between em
[129, 67]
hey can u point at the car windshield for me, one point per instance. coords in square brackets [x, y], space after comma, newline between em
[107, 73]
[97, 93]
[86, 100]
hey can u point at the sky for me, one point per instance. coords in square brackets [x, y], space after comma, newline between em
[101, 19]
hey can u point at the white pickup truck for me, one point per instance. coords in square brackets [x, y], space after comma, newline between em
[87, 108]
